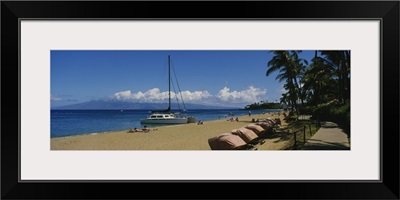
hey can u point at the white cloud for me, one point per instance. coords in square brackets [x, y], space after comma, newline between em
[151, 95]
[249, 95]
[124, 95]
[224, 96]
[55, 98]
[155, 95]
[195, 96]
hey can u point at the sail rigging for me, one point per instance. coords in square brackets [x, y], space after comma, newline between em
[168, 117]
[179, 88]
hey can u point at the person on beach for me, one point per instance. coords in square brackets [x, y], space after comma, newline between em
[134, 130]
[146, 130]
[200, 123]
[237, 119]
[137, 130]
[249, 113]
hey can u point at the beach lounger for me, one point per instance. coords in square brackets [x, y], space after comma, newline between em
[227, 141]
[269, 120]
[268, 126]
[276, 121]
[246, 134]
[257, 129]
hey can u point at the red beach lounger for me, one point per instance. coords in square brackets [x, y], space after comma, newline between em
[246, 134]
[265, 125]
[226, 141]
[256, 129]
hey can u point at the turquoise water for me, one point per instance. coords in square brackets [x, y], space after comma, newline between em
[76, 122]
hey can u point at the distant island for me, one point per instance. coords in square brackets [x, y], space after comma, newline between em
[263, 105]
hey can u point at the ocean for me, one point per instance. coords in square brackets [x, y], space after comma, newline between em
[77, 122]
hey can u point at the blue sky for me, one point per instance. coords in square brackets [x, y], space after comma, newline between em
[219, 77]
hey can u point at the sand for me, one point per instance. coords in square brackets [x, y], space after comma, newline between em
[174, 137]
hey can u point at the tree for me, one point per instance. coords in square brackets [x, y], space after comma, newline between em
[318, 81]
[290, 68]
[325, 79]
[340, 60]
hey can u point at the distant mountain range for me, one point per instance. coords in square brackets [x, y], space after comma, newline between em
[118, 105]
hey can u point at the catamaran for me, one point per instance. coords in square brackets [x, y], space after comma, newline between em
[166, 116]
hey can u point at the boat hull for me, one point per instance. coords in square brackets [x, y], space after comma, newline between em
[165, 121]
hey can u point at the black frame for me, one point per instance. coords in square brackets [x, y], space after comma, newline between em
[12, 11]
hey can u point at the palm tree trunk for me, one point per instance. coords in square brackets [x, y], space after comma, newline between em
[298, 93]
[293, 94]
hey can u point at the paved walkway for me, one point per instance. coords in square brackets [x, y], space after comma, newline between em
[328, 137]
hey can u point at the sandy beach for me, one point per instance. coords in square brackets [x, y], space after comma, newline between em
[174, 137]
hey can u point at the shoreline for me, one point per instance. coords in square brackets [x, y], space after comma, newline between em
[104, 132]
[171, 137]
[165, 125]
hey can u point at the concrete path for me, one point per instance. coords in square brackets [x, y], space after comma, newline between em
[328, 137]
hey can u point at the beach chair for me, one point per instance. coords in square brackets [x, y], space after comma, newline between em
[246, 134]
[257, 129]
[270, 120]
[227, 141]
[266, 125]
[272, 123]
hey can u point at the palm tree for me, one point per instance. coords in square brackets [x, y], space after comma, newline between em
[285, 99]
[340, 60]
[318, 80]
[300, 66]
[290, 68]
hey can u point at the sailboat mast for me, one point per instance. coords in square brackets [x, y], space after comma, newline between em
[169, 82]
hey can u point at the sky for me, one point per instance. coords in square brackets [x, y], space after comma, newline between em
[218, 77]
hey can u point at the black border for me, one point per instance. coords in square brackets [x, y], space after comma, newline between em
[12, 11]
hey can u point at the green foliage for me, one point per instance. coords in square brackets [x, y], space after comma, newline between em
[307, 110]
[323, 111]
[290, 68]
[292, 118]
[327, 77]
[336, 113]
[263, 105]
